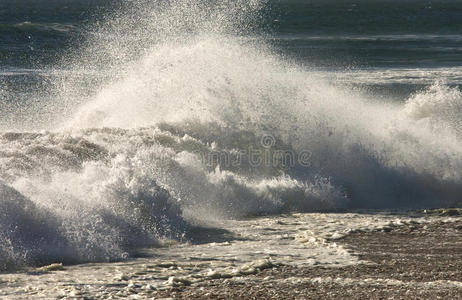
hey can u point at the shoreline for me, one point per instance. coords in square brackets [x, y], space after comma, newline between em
[409, 261]
[298, 256]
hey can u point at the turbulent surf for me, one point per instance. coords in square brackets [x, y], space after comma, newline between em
[171, 112]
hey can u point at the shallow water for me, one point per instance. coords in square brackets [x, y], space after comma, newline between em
[232, 249]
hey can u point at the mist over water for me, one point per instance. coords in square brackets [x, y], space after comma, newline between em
[116, 152]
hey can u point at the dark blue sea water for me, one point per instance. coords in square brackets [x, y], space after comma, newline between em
[379, 33]
[325, 34]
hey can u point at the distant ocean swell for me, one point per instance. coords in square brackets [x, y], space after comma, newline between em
[194, 122]
[29, 27]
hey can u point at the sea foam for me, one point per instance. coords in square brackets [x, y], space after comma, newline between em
[125, 159]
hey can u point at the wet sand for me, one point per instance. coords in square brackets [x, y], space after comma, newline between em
[402, 262]
[363, 255]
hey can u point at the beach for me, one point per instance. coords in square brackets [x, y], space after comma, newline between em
[407, 262]
[403, 257]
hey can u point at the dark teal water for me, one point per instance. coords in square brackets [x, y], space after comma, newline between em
[33, 33]
[377, 33]
[331, 35]
[358, 33]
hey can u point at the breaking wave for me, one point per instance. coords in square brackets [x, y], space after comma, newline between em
[193, 121]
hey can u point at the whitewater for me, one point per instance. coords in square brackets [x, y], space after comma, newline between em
[175, 116]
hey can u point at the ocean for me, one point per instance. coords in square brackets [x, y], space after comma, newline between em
[129, 125]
